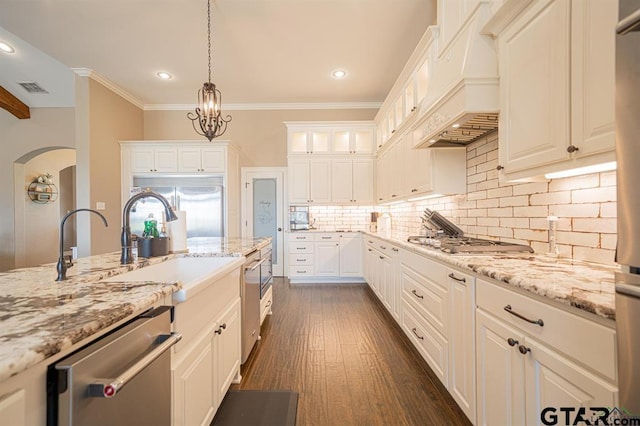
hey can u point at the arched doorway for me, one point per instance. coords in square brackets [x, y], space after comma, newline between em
[37, 224]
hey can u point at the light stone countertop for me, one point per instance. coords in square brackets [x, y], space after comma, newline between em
[41, 318]
[583, 285]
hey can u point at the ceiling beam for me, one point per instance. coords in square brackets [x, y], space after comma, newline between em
[13, 104]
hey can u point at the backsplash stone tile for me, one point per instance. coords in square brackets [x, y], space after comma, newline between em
[585, 207]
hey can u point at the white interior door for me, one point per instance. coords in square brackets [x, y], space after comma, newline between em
[264, 209]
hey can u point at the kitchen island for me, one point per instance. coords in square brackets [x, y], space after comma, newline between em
[44, 320]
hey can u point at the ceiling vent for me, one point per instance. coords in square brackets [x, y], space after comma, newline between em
[32, 87]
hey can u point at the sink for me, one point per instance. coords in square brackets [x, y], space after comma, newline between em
[194, 273]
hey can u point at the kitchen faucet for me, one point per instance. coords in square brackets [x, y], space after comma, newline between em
[125, 238]
[62, 263]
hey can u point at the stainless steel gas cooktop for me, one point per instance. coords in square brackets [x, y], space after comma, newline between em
[447, 237]
[467, 245]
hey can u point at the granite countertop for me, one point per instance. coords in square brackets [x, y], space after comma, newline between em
[583, 285]
[42, 317]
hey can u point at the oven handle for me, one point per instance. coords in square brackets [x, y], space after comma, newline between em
[253, 268]
[108, 388]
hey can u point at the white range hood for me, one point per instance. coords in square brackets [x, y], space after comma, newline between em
[462, 102]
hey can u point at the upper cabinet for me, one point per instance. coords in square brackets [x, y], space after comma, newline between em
[148, 159]
[401, 106]
[556, 61]
[331, 137]
[195, 159]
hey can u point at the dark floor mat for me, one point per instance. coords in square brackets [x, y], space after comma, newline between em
[257, 408]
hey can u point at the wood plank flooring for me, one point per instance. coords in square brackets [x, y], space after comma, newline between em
[351, 364]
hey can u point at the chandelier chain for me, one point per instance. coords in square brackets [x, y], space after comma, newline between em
[209, 35]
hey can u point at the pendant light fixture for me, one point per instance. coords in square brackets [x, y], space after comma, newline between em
[208, 113]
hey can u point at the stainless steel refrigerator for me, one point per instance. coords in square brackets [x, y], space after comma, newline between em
[628, 187]
[201, 198]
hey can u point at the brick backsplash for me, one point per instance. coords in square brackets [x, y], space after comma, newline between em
[585, 207]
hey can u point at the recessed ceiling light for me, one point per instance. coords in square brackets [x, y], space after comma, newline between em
[455, 126]
[5, 47]
[339, 74]
[164, 75]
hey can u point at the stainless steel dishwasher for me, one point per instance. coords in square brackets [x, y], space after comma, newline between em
[123, 378]
[250, 296]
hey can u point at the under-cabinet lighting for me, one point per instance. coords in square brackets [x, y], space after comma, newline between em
[388, 203]
[425, 197]
[5, 47]
[604, 167]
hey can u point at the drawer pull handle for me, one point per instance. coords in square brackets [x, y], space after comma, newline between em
[381, 257]
[301, 272]
[269, 304]
[417, 335]
[511, 341]
[462, 280]
[395, 249]
[417, 295]
[523, 349]
[522, 317]
[383, 247]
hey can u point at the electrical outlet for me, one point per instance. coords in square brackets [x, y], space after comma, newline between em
[100, 205]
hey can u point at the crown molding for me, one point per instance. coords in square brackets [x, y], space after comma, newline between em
[269, 106]
[88, 72]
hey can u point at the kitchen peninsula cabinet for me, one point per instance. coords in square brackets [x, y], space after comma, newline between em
[207, 359]
[557, 87]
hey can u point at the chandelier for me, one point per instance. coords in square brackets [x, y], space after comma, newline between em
[208, 113]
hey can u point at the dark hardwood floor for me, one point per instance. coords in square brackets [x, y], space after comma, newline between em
[351, 364]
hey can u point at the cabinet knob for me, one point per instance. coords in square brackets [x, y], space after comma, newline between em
[572, 148]
[499, 167]
[511, 341]
[523, 349]
[393, 131]
[413, 109]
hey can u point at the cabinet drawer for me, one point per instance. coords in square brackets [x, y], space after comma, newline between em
[300, 236]
[295, 248]
[430, 299]
[266, 304]
[326, 237]
[586, 341]
[428, 341]
[299, 259]
[300, 271]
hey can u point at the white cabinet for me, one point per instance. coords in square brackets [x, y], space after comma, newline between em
[301, 255]
[556, 62]
[154, 160]
[354, 140]
[325, 257]
[405, 172]
[531, 355]
[352, 180]
[462, 349]
[350, 255]
[309, 180]
[226, 350]
[308, 141]
[201, 159]
[266, 304]
[331, 137]
[207, 359]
